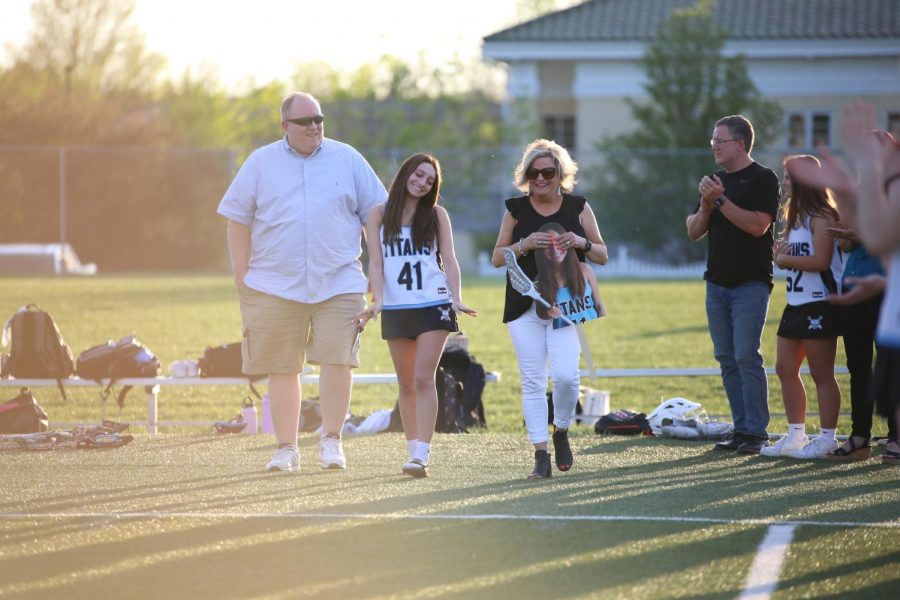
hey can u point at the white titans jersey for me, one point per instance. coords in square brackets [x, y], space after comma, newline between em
[804, 287]
[412, 279]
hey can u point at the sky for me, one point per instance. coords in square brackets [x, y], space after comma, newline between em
[265, 39]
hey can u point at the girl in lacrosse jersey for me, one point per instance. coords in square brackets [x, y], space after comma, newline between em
[809, 324]
[546, 175]
[572, 283]
[415, 283]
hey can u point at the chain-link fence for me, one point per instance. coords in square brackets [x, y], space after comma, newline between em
[155, 208]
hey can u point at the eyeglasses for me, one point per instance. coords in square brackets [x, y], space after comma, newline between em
[717, 141]
[307, 121]
[547, 172]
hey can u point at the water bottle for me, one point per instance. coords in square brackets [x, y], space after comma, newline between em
[265, 407]
[248, 413]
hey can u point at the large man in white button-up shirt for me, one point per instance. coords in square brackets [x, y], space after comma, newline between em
[296, 212]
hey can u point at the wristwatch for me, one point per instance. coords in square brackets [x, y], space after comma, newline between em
[718, 202]
[587, 245]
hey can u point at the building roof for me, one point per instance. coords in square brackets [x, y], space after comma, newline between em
[621, 20]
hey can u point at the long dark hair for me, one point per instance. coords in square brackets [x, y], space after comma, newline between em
[805, 200]
[546, 268]
[425, 225]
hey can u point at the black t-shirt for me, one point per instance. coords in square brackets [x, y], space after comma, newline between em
[527, 222]
[733, 255]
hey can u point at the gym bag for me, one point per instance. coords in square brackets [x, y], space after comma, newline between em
[226, 361]
[37, 348]
[453, 416]
[623, 422]
[117, 360]
[470, 373]
[22, 414]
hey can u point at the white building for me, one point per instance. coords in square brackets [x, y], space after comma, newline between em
[573, 67]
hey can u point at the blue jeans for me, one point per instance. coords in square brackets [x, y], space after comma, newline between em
[736, 319]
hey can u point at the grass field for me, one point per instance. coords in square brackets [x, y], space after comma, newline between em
[650, 324]
[189, 514]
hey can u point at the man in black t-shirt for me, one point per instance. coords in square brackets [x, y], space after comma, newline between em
[737, 207]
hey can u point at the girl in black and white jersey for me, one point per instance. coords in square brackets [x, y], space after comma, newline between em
[415, 283]
[809, 324]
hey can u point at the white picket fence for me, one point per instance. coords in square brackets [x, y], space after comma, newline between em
[620, 266]
[623, 266]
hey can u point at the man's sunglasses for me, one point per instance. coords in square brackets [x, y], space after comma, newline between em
[548, 173]
[307, 121]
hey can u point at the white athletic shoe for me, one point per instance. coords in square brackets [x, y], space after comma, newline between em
[415, 468]
[818, 447]
[331, 453]
[787, 443]
[285, 459]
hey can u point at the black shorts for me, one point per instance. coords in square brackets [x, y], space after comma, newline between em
[412, 322]
[813, 321]
[885, 386]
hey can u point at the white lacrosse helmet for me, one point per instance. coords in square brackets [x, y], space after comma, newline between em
[672, 409]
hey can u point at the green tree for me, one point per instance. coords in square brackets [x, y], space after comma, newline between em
[90, 44]
[647, 184]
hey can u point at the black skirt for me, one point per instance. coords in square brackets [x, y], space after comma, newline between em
[813, 321]
[410, 323]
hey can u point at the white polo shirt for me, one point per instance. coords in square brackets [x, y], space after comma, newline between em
[306, 217]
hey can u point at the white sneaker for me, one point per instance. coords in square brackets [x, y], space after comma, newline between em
[331, 453]
[818, 447]
[787, 443]
[415, 468]
[285, 459]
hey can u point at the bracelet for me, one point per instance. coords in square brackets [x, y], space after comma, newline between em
[718, 202]
[522, 251]
[587, 245]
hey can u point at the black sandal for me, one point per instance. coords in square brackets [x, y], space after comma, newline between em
[542, 468]
[855, 452]
[890, 457]
[562, 449]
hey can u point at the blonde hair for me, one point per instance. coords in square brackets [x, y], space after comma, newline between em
[546, 148]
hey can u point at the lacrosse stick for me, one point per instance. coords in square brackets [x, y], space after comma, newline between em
[525, 286]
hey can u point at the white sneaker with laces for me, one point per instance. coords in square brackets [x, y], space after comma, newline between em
[331, 453]
[787, 443]
[285, 459]
[818, 447]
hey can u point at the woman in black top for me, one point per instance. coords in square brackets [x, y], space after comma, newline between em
[547, 173]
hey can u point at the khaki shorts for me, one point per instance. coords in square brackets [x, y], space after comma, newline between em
[280, 334]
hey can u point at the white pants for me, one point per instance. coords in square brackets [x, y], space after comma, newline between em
[536, 344]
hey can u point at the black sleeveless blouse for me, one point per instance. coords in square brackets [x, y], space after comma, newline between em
[527, 222]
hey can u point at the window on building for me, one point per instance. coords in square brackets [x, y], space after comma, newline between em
[796, 134]
[808, 129]
[893, 124]
[821, 129]
[561, 129]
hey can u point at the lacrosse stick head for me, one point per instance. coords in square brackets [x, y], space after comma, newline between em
[519, 280]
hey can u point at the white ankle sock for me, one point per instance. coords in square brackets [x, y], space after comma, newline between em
[827, 434]
[411, 448]
[797, 429]
[423, 451]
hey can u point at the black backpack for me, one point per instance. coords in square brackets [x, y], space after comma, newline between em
[38, 350]
[22, 414]
[226, 361]
[452, 416]
[471, 374]
[117, 360]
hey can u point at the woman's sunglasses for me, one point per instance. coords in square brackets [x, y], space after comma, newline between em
[548, 173]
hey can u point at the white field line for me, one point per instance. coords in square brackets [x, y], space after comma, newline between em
[427, 517]
[764, 572]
